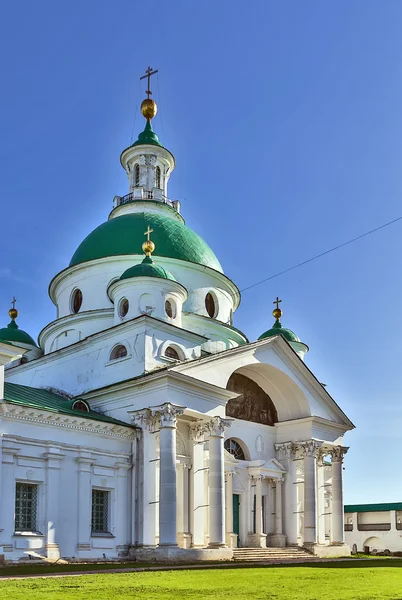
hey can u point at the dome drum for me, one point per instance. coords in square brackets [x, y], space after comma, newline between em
[156, 297]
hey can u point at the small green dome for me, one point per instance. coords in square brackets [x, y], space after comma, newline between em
[124, 235]
[148, 136]
[147, 269]
[13, 334]
[277, 329]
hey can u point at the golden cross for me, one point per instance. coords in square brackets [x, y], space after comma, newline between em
[148, 233]
[277, 301]
[148, 73]
[14, 301]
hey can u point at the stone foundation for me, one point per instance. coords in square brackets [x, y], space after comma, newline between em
[333, 551]
[276, 540]
[174, 554]
[257, 540]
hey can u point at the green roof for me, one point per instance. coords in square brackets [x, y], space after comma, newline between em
[383, 506]
[12, 333]
[31, 397]
[277, 329]
[148, 136]
[147, 269]
[124, 236]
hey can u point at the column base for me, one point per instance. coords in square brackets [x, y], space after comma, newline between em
[170, 554]
[184, 540]
[276, 540]
[257, 540]
[328, 551]
[216, 545]
[53, 551]
[231, 540]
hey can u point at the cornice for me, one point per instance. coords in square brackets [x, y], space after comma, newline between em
[43, 417]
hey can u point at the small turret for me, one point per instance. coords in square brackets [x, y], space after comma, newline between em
[277, 329]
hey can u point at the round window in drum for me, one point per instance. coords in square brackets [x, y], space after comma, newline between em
[210, 305]
[76, 301]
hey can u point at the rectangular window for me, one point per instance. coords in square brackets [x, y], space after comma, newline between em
[100, 511]
[26, 505]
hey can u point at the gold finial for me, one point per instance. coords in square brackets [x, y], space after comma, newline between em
[277, 313]
[148, 246]
[149, 107]
[13, 312]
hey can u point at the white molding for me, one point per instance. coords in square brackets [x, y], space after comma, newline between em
[43, 417]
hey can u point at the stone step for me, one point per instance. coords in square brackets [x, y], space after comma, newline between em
[264, 554]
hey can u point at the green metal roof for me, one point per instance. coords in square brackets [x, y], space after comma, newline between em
[148, 136]
[277, 329]
[23, 395]
[383, 506]
[12, 333]
[147, 269]
[124, 235]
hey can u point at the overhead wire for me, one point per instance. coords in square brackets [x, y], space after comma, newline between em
[312, 258]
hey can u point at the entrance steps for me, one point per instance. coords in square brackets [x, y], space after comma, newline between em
[271, 554]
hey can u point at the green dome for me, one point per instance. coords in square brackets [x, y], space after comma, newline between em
[277, 329]
[12, 334]
[147, 269]
[148, 136]
[124, 235]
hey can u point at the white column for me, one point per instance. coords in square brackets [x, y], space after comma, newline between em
[197, 488]
[337, 525]
[84, 461]
[53, 459]
[186, 470]
[122, 516]
[167, 473]
[180, 501]
[321, 498]
[216, 428]
[258, 504]
[278, 506]
[1, 475]
[149, 486]
[310, 490]
[286, 453]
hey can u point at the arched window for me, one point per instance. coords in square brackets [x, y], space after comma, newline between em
[118, 351]
[170, 309]
[235, 449]
[172, 353]
[81, 405]
[157, 177]
[137, 174]
[123, 307]
[76, 301]
[210, 305]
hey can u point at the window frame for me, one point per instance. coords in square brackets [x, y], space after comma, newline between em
[17, 513]
[113, 358]
[215, 305]
[73, 297]
[104, 532]
[122, 301]
[136, 175]
[158, 177]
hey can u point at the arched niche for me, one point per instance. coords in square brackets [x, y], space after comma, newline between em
[288, 399]
[252, 404]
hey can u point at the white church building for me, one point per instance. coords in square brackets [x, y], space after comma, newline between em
[143, 423]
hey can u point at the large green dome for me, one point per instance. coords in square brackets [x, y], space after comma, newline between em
[124, 235]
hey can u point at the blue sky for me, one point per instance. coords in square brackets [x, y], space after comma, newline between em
[285, 120]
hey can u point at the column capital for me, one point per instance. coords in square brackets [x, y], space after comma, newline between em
[167, 414]
[216, 426]
[337, 453]
[277, 480]
[310, 448]
[144, 418]
[196, 431]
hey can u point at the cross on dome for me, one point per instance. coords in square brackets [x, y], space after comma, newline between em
[148, 74]
[148, 246]
[277, 313]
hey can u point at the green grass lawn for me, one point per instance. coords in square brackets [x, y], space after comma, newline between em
[351, 580]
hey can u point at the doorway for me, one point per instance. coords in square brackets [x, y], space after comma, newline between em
[236, 516]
